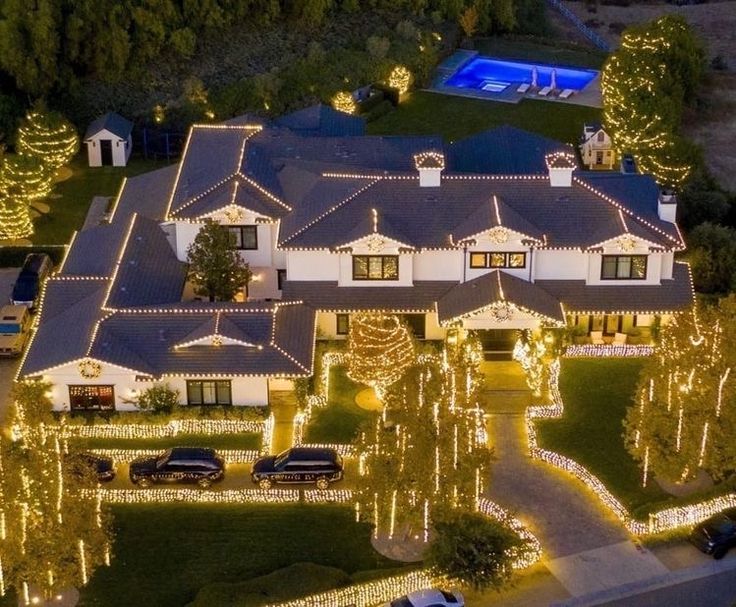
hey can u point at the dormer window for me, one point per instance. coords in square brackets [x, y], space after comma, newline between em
[624, 267]
[375, 267]
[497, 260]
[601, 136]
[244, 237]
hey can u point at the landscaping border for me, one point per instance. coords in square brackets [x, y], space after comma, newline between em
[608, 350]
[666, 519]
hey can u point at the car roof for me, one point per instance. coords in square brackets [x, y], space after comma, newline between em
[192, 452]
[34, 262]
[422, 598]
[311, 453]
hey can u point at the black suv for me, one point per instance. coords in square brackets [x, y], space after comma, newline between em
[36, 267]
[299, 465]
[179, 465]
[717, 534]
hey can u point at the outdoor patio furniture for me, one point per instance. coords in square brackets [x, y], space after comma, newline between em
[619, 338]
[545, 91]
[523, 88]
[596, 338]
[567, 93]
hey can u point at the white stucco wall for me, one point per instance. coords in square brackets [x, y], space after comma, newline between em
[312, 265]
[245, 390]
[438, 265]
[560, 265]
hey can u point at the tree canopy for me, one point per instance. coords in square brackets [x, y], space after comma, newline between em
[216, 269]
[684, 417]
[646, 85]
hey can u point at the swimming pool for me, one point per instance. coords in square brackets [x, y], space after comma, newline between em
[480, 72]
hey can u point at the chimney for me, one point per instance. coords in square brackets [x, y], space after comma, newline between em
[667, 206]
[430, 166]
[560, 166]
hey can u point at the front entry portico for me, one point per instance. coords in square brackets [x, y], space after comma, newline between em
[498, 344]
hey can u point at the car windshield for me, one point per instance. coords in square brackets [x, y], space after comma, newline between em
[161, 461]
[281, 458]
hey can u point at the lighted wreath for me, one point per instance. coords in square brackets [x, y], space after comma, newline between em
[627, 243]
[498, 235]
[375, 243]
[501, 312]
[89, 369]
[233, 214]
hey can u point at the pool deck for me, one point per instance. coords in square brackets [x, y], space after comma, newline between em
[590, 96]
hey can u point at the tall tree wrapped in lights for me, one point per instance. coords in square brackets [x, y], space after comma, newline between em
[430, 449]
[26, 175]
[48, 136]
[646, 84]
[380, 350]
[53, 537]
[15, 215]
[684, 417]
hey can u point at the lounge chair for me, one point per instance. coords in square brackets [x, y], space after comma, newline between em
[619, 339]
[523, 88]
[567, 93]
[545, 91]
[596, 338]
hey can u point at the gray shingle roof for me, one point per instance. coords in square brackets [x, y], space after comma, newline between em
[464, 299]
[146, 342]
[328, 297]
[146, 194]
[505, 150]
[149, 272]
[427, 217]
[69, 313]
[322, 121]
[112, 122]
[670, 296]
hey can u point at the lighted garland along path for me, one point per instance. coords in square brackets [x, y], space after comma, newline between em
[663, 520]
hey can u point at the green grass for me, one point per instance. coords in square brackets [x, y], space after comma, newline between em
[542, 50]
[424, 113]
[71, 198]
[596, 393]
[341, 419]
[245, 440]
[163, 554]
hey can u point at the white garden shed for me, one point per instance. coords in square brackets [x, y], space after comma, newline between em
[109, 141]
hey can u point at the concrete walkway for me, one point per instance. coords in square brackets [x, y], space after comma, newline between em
[284, 408]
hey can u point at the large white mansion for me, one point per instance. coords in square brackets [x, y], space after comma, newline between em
[493, 233]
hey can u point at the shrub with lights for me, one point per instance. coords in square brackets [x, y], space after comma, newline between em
[380, 349]
[428, 449]
[15, 215]
[645, 85]
[49, 137]
[684, 417]
[343, 102]
[52, 537]
[26, 175]
[530, 351]
[400, 79]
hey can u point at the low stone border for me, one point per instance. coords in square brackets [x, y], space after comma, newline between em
[663, 520]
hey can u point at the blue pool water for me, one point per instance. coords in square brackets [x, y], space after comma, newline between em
[480, 72]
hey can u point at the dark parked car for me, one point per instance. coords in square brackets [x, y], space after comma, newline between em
[179, 465]
[299, 465]
[36, 267]
[717, 534]
[102, 467]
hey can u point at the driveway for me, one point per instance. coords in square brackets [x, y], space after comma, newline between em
[7, 365]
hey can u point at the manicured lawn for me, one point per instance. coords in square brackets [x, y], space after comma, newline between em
[541, 50]
[424, 113]
[163, 554]
[596, 393]
[341, 419]
[246, 441]
[71, 198]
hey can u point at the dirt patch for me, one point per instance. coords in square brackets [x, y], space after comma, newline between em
[713, 126]
[715, 22]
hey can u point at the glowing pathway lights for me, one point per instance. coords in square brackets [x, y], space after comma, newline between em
[608, 350]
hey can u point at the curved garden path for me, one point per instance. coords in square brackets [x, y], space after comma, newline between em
[585, 547]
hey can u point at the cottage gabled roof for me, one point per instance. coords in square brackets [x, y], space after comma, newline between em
[112, 122]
